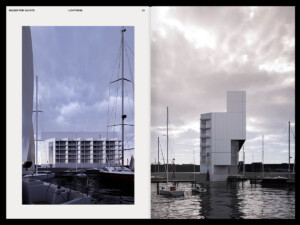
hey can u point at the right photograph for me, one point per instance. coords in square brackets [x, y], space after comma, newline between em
[223, 112]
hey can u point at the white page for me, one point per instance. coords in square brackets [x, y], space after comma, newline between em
[139, 18]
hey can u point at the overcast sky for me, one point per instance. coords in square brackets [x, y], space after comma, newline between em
[75, 66]
[200, 53]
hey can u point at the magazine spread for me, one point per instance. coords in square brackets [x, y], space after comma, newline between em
[80, 76]
[150, 112]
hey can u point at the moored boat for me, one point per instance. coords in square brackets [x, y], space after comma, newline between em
[170, 190]
[38, 192]
[198, 189]
[120, 175]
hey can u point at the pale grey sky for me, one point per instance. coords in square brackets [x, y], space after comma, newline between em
[199, 53]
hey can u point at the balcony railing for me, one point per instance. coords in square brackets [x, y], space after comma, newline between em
[60, 144]
[205, 135]
[72, 154]
[206, 143]
[205, 127]
[98, 143]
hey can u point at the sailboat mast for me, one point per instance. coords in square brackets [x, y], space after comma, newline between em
[36, 125]
[194, 165]
[199, 147]
[243, 161]
[289, 146]
[262, 168]
[76, 152]
[294, 157]
[157, 154]
[167, 145]
[200, 152]
[252, 165]
[123, 116]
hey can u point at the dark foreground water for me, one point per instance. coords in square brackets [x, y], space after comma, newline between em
[101, 192]
[226, 201]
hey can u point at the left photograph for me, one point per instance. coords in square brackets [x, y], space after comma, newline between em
[78, 115]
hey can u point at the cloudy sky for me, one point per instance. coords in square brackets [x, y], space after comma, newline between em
[200, 53]
[75, 66]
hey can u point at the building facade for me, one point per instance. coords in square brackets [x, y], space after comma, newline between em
[222, 136]
[79, 150]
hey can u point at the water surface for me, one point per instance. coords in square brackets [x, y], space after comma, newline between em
[226, 201]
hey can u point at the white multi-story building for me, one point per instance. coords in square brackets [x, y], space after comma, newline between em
[222, 136]
[79, 149]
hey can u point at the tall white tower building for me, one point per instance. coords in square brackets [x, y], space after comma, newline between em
[222, 136]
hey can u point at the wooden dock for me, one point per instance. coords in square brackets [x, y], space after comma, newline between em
[272, 180]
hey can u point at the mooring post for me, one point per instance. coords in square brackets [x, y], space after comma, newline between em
[157, 187]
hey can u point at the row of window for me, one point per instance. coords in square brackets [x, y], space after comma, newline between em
[83, 161]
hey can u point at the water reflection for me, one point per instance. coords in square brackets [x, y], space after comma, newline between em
[226, 201]
[222, 201]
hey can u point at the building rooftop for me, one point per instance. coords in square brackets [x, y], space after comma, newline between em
[77, 134]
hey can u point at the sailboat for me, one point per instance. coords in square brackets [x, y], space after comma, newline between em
[157, 176]
[169, 190]
[120, 175]
[291, 180]
[42, 175]
[280, 179]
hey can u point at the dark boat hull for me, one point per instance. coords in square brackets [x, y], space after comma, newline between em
[118, 179]
[273, 181]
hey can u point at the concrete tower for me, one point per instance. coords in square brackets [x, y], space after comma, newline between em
[222, 136]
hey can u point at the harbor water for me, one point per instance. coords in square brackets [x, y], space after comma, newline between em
[223, 200]
[101, 192]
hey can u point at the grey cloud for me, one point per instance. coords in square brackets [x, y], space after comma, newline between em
[194, 80]
[75, 65]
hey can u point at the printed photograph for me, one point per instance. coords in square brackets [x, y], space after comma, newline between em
[78, 115]
[223, 113]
